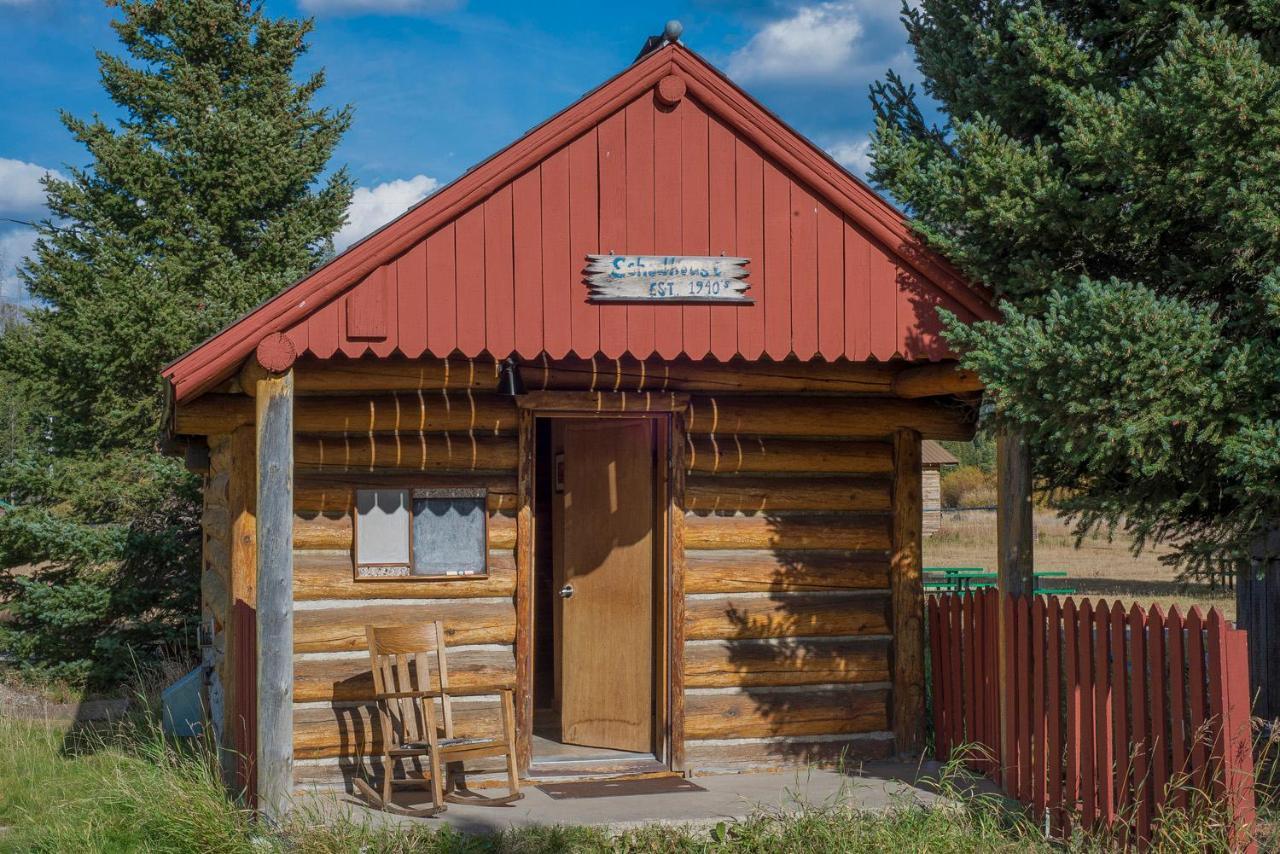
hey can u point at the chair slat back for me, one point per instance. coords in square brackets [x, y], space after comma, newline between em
[401, 660]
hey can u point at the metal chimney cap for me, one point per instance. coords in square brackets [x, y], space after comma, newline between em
[673, 30]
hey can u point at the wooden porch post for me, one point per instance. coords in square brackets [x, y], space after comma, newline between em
[906, 574]
[1014, 564]
[241, 693]
[274, 398]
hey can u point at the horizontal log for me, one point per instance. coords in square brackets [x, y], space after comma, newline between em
[336, 492]
[410, 412]
[847, 417]
[752, 494]
[786, 661]
[936, 379]
[328, 376]
[319, 733]
[789, 615]
[719, 454]
[324, 575]
[764, 570]
[761, 713]
[829, 531]
[332, 531]
[776, 753]
[794, 376]
[406, 451]
[217, 556]
[213, 589]
[212, 414]
[341, 629]
[332, 679]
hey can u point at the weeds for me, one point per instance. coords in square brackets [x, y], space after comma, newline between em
[125, 787]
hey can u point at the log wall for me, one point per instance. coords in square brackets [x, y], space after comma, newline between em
[787, 536]
[462, 438]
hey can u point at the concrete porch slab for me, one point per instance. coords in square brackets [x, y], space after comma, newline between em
[874, 786]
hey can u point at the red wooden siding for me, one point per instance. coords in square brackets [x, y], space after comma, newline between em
[1097, 731]
[645, 180]
[493, 263]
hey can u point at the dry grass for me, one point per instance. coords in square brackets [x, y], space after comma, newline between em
[1098, 568]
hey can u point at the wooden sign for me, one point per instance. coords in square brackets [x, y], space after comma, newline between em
[667, 278]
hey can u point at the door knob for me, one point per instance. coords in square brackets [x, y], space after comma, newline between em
[566, 592]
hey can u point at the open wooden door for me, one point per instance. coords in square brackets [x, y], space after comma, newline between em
[607, 605]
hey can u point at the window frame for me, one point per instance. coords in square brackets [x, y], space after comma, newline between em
[413, 494]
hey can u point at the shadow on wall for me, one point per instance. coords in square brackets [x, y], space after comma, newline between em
[802, 637]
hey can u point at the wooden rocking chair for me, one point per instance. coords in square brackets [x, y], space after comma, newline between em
[407, 695]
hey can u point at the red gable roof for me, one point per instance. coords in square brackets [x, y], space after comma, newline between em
[492, 263]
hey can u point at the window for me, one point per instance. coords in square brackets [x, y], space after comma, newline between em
[421, 533]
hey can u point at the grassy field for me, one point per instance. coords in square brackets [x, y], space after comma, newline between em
[1098, 568]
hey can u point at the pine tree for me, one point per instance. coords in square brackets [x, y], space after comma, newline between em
[206, 197]
[1113, 172]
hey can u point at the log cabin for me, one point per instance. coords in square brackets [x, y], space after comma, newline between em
[933, 457]
[635, 407]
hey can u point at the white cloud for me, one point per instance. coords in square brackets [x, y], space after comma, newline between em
[371, 208]
[854, 155]
[378, 7]
[20, 190]
[15, 245]
[817, 40]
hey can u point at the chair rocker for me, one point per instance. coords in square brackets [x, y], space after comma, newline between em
[407, 689]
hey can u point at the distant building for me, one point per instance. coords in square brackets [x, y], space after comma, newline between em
[932, 458]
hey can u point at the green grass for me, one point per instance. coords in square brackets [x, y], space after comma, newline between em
[126, 789]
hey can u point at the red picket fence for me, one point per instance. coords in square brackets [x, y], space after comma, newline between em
[1111, 716]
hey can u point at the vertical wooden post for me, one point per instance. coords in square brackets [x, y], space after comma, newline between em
[676, 441]
[528, 440]
[1014, 558]
[241, 701]
[1013, 515]
[1257, 603]
[907, 583]
[274, 397]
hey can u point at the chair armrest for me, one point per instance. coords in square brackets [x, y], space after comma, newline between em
[395, 695]
[477, 690]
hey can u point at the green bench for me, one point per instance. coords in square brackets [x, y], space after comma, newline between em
[963, 579]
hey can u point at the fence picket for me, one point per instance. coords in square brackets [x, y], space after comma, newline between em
[1119, 708]
[992, 670]
[1140, 779]
[1038, 763]
[1102, 720]
[1197, 720]
[1239, 748]
[1216, 631]
[1177, 707]
[956, 675]
[970, 700]
[1022, 687]
[1009, 727]
[1073, 679]
[1053, 716]
[1160, 725]
[1088, 713]
[940, 746]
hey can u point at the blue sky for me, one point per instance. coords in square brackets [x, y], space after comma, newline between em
[438, 85]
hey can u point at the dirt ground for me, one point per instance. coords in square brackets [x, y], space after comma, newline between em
[1099, 568]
